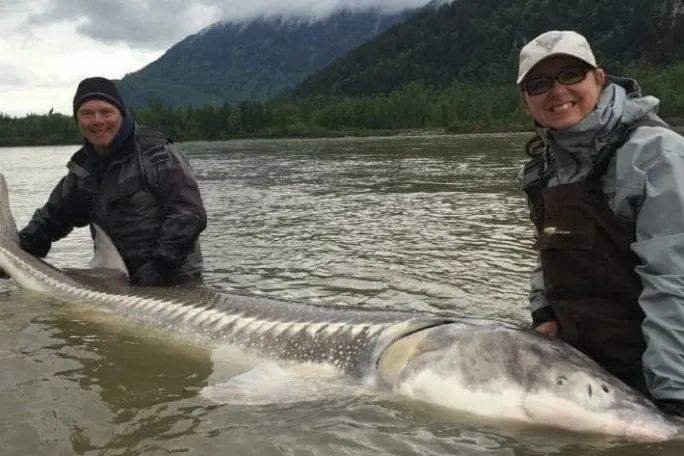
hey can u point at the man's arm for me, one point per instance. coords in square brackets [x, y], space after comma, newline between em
[183, 214]
[55, 219]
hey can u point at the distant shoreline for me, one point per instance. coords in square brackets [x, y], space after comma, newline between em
[408, 132]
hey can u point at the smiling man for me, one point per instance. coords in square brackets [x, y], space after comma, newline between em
[131, 182]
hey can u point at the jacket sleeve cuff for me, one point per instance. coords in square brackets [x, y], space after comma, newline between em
[671, 406]
[34, 242]
[542, 315]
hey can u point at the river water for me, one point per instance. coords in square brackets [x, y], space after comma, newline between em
[411, 223]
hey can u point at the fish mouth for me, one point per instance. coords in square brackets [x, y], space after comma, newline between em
[638, 423]
[653, 432]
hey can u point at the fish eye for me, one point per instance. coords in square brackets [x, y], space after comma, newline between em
[560, 381]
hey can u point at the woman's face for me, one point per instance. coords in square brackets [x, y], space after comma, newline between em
[563, 106]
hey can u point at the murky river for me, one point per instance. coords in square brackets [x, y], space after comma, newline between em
[412, 223]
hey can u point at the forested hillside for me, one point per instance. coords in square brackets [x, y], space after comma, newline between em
[479, 41]
[250, 61]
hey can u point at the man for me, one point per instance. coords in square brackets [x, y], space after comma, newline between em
[134, 184]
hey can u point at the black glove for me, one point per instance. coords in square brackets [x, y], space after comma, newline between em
[34, 243]
[3, 274]
[152, 273]
[673, 407]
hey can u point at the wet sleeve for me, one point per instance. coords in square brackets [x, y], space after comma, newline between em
[660, 246]
[55, 219]
[540, 307]
[183, 214]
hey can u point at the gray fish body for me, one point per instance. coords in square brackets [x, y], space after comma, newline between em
[483, 367]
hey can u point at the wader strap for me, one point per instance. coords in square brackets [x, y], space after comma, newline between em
[151, 151]
[535, 174]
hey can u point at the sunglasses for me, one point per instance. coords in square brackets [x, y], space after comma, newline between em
[536, 85]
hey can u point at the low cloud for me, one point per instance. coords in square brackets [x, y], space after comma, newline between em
[157, 24]
[310, 9]
[139, 24]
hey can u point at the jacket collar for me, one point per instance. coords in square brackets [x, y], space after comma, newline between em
[86, 162]
[620, 102]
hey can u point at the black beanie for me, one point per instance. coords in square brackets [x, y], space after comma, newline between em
[98, 88]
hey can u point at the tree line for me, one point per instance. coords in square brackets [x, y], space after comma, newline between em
[460, 108]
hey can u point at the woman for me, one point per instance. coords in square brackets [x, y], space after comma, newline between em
[606, 192]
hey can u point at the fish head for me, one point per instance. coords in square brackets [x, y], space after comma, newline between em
[573, 389]
[514, 374]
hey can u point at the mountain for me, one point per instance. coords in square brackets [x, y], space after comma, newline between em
[479, 41]
[253, 60]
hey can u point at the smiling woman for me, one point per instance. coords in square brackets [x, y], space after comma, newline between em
[605, 170]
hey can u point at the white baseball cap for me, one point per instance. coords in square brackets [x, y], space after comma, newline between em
[554, 42]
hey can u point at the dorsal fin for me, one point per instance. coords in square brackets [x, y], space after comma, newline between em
[8, 228]
[106, 255]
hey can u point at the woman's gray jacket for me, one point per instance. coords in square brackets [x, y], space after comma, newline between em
[644, 184]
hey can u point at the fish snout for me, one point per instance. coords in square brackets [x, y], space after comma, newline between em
[654, 431]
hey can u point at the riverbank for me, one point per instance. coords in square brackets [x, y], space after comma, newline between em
[315, 133]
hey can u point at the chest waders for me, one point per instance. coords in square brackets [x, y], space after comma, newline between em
[588, 266]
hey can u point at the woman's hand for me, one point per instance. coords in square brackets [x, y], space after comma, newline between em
[548, 328]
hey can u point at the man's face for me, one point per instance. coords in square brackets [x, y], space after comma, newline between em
[99, 122]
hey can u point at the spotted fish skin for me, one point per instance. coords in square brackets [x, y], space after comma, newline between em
[351, 340]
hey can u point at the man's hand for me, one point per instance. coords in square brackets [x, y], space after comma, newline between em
[548, 328]
[3, 274]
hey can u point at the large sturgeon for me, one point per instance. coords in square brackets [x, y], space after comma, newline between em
[479, 366]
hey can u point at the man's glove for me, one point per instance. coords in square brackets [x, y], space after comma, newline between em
[152, 273]
[673, 407]
[34, 243]
[3, 274]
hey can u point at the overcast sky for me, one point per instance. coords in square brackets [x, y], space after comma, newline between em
[48, 46]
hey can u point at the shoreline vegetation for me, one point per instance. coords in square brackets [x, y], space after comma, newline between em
[415, 109]
[72, 138]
